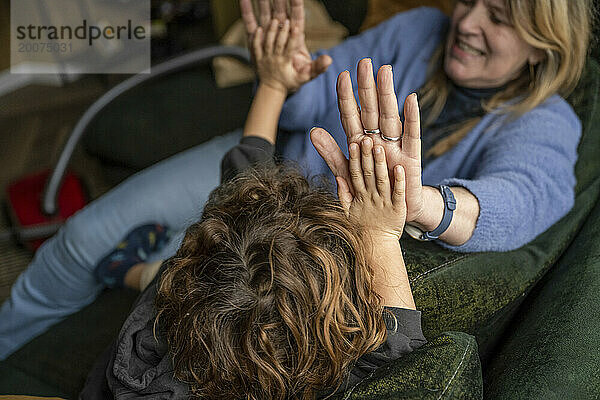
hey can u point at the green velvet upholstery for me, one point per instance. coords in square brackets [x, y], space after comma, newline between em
[552, 350]
[447, 367]
[478, 293]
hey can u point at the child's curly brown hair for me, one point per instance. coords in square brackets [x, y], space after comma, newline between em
[270, 295]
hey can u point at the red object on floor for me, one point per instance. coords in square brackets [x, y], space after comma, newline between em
[24, 202]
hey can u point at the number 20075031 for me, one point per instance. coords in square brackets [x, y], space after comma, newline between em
[44, 47]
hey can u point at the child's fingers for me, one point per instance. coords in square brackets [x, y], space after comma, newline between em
[271, 35]
[368, 167]
[295, 40]
[344, 193]
[257, 47]
[399, 195]
[282, 38]
[381, 173]
[356, 172]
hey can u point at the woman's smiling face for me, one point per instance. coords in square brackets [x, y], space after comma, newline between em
[483, 49]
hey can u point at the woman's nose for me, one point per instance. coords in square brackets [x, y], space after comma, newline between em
[473, 19]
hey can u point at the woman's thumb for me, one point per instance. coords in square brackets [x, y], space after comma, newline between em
[344, 193]
[320, 65]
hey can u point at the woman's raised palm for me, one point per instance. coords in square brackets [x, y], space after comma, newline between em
[379, 111]
[305, 66]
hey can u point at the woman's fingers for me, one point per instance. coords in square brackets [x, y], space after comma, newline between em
[344, 193]
[320, 65]
[280, 10]
[294, 42]
[381, 173]
[248, 17]
[297, 14]
[389, 119]
[270, 37]
[349, 114]
[329, 150]
[356, 172]
[367, 93]
[411, 140]
[399, 195]
[368, 168]
[264, 8]
[282, 38]
[257, 44]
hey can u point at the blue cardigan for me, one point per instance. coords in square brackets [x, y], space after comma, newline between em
[520, 170]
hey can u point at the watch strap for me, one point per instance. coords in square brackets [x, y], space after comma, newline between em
[449, 207]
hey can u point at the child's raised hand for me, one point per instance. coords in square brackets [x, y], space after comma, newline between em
[273, 51]
[376, 204]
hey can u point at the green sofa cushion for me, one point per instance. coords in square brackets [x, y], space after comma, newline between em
[448, 367]
[552, 350]
[478, 293]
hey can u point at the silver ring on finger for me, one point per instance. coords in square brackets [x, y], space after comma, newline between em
[388, 138]
[372, 131]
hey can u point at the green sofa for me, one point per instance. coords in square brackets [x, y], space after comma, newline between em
[529, 315]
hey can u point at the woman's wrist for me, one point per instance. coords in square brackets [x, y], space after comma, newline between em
[433, 210]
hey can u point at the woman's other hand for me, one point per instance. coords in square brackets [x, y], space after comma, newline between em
[299, 57]
[272, 51]
[379, 111]
[373, 202]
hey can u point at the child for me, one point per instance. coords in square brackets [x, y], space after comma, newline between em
[280, 290]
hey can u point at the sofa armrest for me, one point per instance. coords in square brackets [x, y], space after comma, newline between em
[551, 351]
[448, 367]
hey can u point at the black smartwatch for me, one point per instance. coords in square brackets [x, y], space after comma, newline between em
[449, 207]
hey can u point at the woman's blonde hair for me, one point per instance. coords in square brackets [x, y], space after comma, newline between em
[560, 28]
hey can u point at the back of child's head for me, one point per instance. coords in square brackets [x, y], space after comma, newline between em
[269, 295]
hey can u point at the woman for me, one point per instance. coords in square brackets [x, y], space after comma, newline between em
[510, 183]
[496, 130]
[279, 291]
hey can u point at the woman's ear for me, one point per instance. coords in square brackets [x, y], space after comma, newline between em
[536, 56]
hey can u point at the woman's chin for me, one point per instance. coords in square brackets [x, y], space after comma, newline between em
[456, 72]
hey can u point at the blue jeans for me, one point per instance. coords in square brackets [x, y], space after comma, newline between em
[60, 281]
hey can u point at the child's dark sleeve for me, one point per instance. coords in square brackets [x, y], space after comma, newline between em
[404, 334]
[250, 151]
